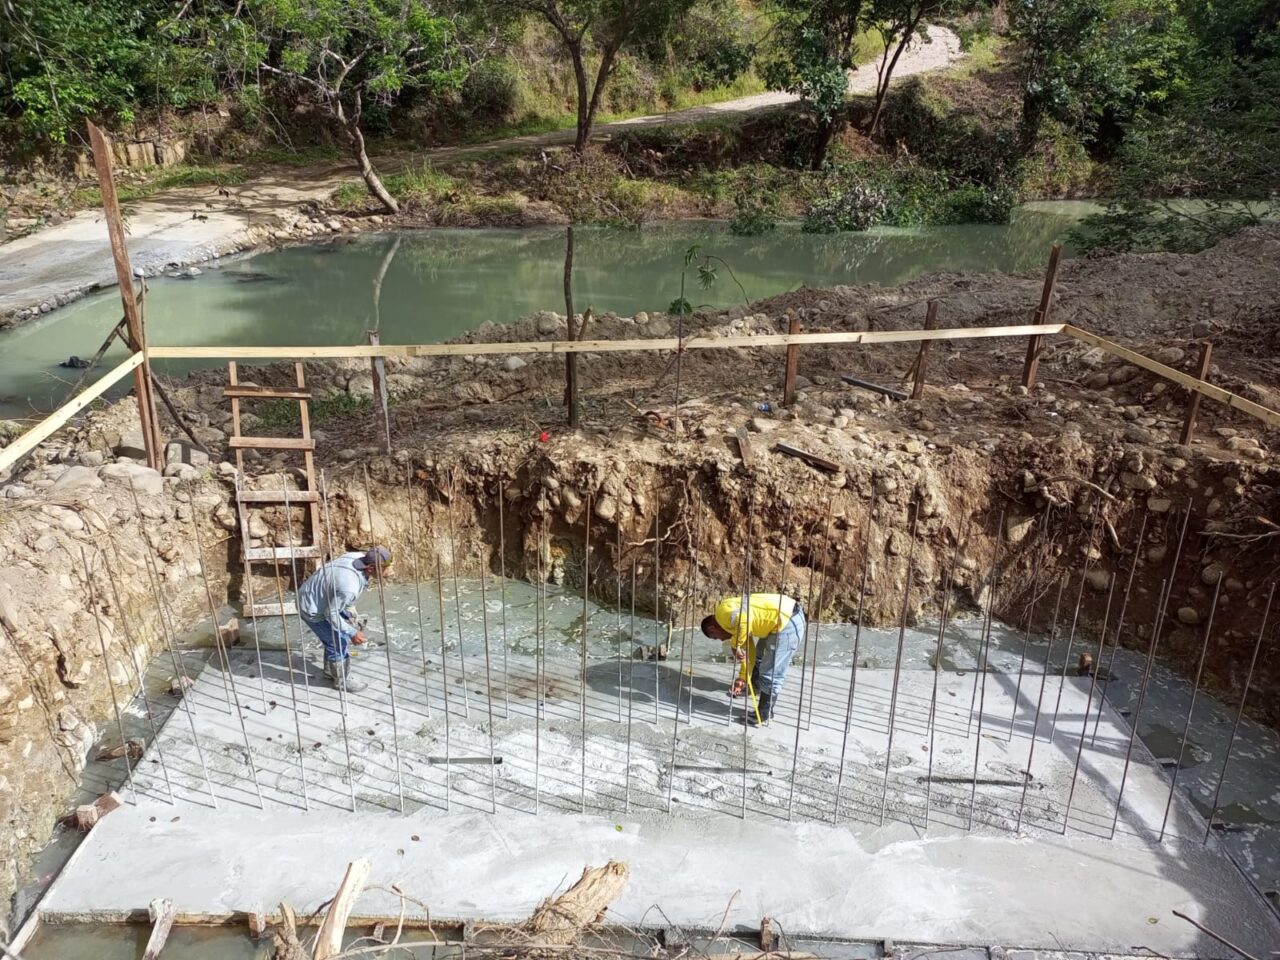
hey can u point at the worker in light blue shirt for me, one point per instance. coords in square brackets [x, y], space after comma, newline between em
[326, 603]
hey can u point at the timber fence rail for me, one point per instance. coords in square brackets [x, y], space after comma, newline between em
[24, 444]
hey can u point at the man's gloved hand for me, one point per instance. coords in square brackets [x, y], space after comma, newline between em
[739, 687]
[359, 639]
[740, 654]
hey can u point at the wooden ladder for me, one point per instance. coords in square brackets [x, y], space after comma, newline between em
[306, 547]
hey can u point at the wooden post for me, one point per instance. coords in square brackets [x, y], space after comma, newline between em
[570, 359]
[1032, 364]
[379, 368]
[132, 315]
[793, 364]
[1193, 408]
[930, 321]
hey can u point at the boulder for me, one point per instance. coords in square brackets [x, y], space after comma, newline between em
[75, 483]
[514, 363]
[144, 480]
[179, 452]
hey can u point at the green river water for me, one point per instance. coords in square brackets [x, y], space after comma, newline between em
[440, 283]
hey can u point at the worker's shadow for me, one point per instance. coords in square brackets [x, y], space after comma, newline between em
[644, 682]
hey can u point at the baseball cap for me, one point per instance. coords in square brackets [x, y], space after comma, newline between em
[376, 557]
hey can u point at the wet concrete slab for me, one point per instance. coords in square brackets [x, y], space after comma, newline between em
[832, 853]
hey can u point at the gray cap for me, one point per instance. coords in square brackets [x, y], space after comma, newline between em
[376, 557]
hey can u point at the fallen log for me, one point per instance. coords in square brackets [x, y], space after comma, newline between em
[162, 913]
[329, 940]
[561, 920]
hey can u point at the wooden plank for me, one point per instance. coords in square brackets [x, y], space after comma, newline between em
[58, 419]
[822, 463]
[594, 346]
[124, 276]
[744, 448]
[329, 939]
[282, 553]
[277, 496]
[1232, 400]
[162, 913]
[271, 443]
[873, 387]
[793, 364]
[1031, 366]
[1193, 408]
[261, 393]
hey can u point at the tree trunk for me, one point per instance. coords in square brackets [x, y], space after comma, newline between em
[586, 121]
[826, 133]
[571, 358]
[584, 98]
[886, 73]
[351, 126]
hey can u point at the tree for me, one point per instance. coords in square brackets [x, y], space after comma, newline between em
[345, 52]
[600, 30]
[813, 58]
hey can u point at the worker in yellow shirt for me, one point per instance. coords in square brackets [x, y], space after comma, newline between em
[763, 631]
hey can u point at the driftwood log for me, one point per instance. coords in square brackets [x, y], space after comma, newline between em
[561, 920]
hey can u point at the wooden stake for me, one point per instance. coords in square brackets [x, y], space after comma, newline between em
[162, 914]
[1032, 364]
[571, 359]
[379, 369]
[1193, 408]
[329, 939]
[124, 276]
[793, 364]
[930, 321]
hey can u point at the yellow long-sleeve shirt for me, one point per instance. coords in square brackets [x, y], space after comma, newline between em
[747, 619]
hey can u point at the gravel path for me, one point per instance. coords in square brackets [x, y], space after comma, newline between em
[44, 270]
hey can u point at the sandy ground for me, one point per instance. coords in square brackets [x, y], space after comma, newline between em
[46, 269]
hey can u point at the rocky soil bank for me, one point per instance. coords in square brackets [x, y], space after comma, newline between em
[1010, 493]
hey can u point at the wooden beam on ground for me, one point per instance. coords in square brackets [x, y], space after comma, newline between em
[1031, 366]
[930, 321]
[889, 392]
[822, 463]
[162, 913]
[58, 419]
[1233, 400]
[124, 276]
[1193, 408]
[793, 364]
[593, 346]
[329, 939]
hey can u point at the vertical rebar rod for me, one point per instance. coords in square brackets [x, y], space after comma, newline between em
[1035, 723]
[1093, 685]
[444, 686]
[1191, 708]
[248, 588]
[488, 687]
[631, 688]
[1026, 630]
[106, 667]
[582, 673]
[293, 687]
[137, 673]
[293, 575]
[795, 747]
[1235, 727]
[1124, 608]
[1075, 619]
[657, 606]
[984, 665]
[617, 610]
[961, 542]
[386, 642]
[342, 688]
[225, 659]
[686, 627]
[539, 619]
[897, 664]
[457, 602]
[933, 699]
[817, 610]
[502, 598]
[417, 585]
[162, 610]
[1157, 622]
[808, 606]
[748, 698]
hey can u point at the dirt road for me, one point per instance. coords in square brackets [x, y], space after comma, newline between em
[44, 270]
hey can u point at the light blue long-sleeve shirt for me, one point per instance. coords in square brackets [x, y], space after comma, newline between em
[333, 588]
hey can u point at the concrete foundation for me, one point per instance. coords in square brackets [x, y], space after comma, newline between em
[469, 844]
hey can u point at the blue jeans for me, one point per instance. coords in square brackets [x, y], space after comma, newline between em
[335, 643]
[774, 653]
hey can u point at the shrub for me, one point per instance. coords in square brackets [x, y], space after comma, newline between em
[491, 90]
[976, 203]
[852, 208]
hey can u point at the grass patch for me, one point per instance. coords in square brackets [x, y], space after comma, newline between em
[983, 56]
[283, 414]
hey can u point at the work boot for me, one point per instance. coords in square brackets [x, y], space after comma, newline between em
[339, 672]
[764, 706]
